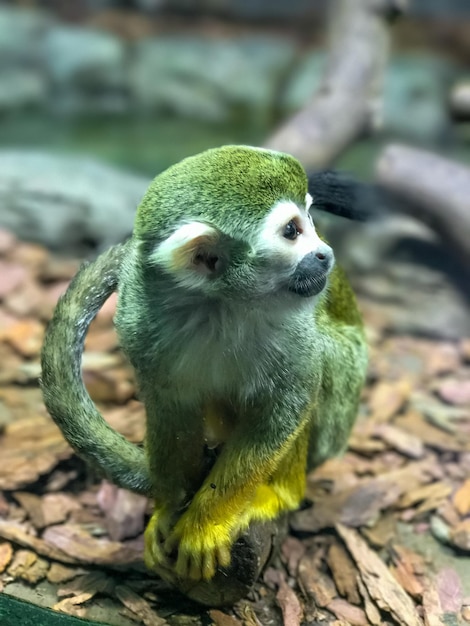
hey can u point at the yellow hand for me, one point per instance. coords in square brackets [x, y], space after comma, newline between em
[156, 533]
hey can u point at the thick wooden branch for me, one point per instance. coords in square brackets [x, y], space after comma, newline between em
[348, 101]
[435, 190]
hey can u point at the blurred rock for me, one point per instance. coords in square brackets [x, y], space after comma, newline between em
[415, 97]
[212, 79]
[238, 9]
[21, 88]
[22, 83]
[21, 31]
[84, 56]
[437, 8]
[80, 70]
[71, 204]
[275, 9]
[86, 68]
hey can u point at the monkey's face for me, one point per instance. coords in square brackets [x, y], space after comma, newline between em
[280, 255]
[289, 242]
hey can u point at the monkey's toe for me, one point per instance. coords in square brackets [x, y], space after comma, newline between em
[196, 566]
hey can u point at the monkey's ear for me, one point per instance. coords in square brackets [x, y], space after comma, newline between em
[195, 248]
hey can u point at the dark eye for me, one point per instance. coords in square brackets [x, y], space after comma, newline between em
[291, 231]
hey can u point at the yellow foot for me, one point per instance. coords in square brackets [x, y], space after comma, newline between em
[188, 551]
[194, 548]
[201, 549]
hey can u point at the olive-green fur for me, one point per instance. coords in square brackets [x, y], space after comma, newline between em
[337, 305]
[225, 184]
[343, 369]
[65, 395]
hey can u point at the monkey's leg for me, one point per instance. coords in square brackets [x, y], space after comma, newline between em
[286, 488]
[218, 512]
[174, 450]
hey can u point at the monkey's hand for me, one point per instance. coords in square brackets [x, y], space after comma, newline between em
[200, 543]
[156, 534]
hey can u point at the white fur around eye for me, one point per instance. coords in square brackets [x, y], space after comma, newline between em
[277, 218]
[271, 240]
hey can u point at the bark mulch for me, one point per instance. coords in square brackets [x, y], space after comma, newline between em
[383, 538]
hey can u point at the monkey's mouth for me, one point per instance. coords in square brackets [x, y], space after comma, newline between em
[310, 276]
[307, 286]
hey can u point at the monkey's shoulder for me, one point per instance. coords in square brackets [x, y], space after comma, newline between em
[339, 303]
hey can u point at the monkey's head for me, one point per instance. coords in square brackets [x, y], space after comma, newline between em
[234, 223]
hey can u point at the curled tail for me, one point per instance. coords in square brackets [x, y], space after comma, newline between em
[64, 392]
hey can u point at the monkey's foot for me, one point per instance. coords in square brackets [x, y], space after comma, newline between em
[249, 555]
[202, 548]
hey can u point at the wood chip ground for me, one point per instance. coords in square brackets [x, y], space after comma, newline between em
[383, 538]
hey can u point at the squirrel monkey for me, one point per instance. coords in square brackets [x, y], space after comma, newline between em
[248, 349]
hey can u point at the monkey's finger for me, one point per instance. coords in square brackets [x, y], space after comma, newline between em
[184, 567]
[157, 562]
[223, 556]
[196, 564]
[170, 545]
[208, 564]
[154, 556]
[166, 574]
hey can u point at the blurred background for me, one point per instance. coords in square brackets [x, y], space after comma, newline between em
[143, 83]
[99, 96]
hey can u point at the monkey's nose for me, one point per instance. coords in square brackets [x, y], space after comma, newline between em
[324, 257]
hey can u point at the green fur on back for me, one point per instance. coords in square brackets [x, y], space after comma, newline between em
[215, 185]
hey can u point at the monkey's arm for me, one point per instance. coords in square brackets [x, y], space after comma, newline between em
[344, 367]
[65, 395]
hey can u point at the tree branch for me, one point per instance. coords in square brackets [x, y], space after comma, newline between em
[348, 101]
[435, 190]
